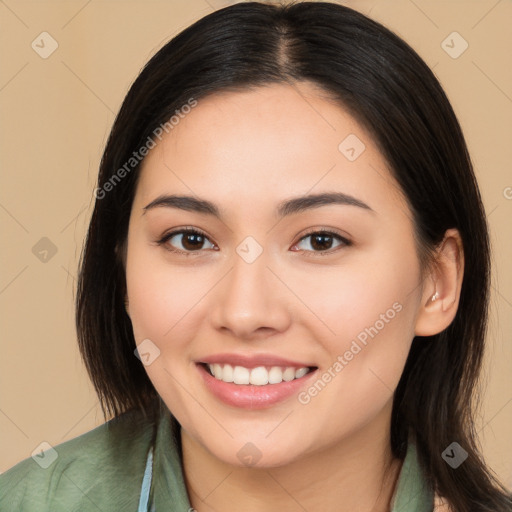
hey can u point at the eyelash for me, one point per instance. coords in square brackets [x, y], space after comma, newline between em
[193, 231]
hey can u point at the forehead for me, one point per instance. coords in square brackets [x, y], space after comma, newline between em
[256, 147]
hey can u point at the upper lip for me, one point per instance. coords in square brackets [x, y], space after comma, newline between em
[253, 361]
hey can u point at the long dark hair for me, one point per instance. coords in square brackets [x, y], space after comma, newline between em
[386, 86]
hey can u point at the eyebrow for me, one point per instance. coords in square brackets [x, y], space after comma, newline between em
[285, 208]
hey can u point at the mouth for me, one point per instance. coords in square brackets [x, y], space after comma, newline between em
[258, 376]
[258, 387]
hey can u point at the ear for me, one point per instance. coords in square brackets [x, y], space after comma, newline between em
[436, 315]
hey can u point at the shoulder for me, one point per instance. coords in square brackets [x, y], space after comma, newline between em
[101, 466]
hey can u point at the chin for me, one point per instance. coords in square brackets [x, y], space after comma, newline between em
[255, 454]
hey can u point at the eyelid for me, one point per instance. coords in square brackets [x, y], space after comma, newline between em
[328, 231]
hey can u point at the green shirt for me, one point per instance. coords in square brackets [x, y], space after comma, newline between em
[110, 469]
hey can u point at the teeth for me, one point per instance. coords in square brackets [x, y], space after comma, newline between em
[289, 374]
[240, 375]
[301, 372]
[259, 376]
[217, 371]
[227, 374]
[275, 375]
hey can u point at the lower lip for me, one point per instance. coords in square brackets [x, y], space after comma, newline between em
[250, 396]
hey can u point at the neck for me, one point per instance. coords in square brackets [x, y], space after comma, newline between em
[358, 473]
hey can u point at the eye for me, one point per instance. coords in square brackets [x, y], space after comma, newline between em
[191, 239]
[322, 241]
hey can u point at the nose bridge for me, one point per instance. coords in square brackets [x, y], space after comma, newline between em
[250, 298]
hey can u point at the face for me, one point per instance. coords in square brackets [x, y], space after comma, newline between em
[265, 292]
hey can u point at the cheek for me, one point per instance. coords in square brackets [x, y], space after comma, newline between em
[366, 289]
[163, 300]
[371, 310]
[160, 294]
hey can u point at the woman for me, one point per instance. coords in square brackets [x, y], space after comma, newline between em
[283, 293]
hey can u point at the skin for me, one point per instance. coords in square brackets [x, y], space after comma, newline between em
[246, 152]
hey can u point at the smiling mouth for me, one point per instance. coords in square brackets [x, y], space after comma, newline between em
[258, 376]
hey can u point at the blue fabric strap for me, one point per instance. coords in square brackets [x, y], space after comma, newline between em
[146, 483]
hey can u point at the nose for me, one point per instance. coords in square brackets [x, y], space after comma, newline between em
[251, 302]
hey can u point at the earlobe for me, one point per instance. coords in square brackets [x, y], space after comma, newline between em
[441, 294]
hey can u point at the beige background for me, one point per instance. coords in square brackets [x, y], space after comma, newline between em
[56, 114]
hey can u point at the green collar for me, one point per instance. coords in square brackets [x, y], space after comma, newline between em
[168, 486]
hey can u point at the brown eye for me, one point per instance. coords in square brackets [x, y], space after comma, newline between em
[322, 241]
[191, 240]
